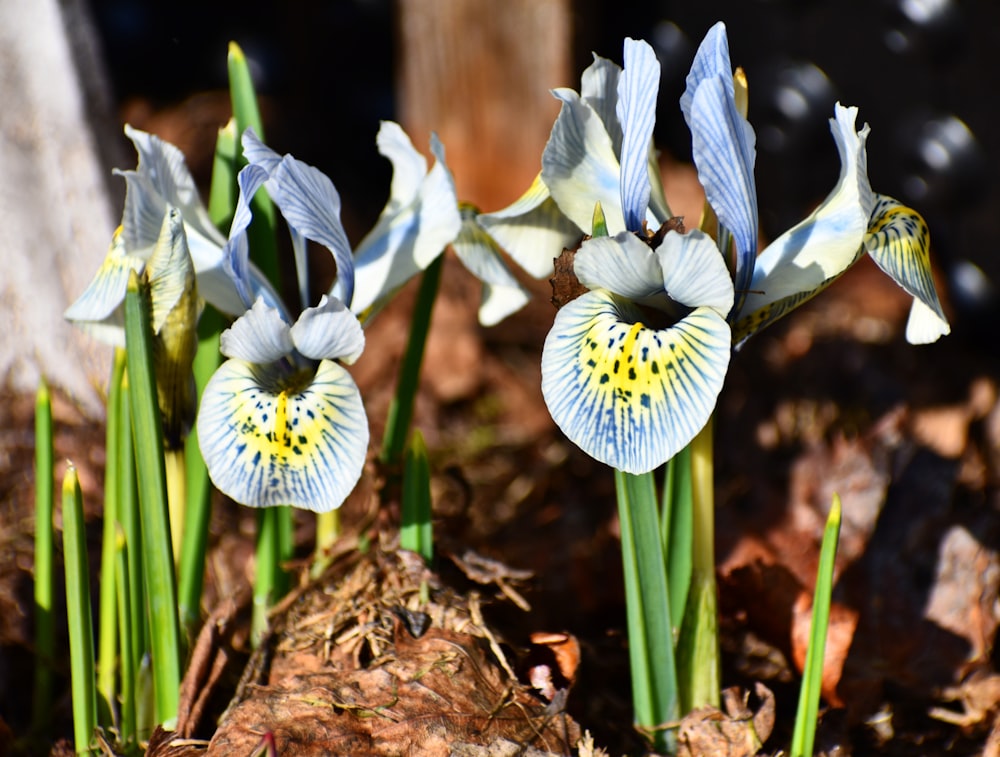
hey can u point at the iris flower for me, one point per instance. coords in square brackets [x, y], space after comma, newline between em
[632, 369]
[282, 421]
[160, 182]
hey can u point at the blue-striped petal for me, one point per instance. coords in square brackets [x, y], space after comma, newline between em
[723, 149]
[694, 273]
[270, 440]
[260, 335]
[329, 331]
[532, 230]
[637, 91]
[899, 242]
[710, 61]
[629, 395]
[811, 255]
[237, 250]
[414, 228]
[622, 264]
[502, 293]
[579, 165]
[98, 310]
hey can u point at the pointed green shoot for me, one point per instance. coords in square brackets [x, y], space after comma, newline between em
[81, 635]
[415, 533]
[127, 722]
[128, 515]
[600, 223]
[223, 193]
[651, 648]
[397, 425]
[45, 638]
[161, 590]
[804, 734]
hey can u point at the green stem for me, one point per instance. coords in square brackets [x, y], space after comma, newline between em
[176, 475]
[651, 648]
[45, 638]
[415, 533]
[130, 522]
[267, 567]
[128, 667]
[327, 533]
[161, 589]
[81, 638]
[401, 410]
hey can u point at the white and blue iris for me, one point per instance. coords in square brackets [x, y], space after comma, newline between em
[632, 369]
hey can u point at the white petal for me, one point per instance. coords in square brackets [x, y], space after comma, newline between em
[579, 165]
[329, 330]
[694, 273]
[809, 256]
[637, 91]
[266, 443]
[899, 242]
[599, 89]
[628, 395]
[98, 310]
[622, 264]
[532, 230]
[171, 274]
[409, 167]
[258, 336]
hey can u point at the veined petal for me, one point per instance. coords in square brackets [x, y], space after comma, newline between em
[171, 275]
[628, 395]
[330, 331]
[407, 238]
[409, 167]
[710, 61]
[899, 243]
[98, 310]
[694, 273]
[637, 91]
[811, 255]
[260, 335]
[502, 293]
[268, 443]
[532, 230]
[311, 206]
[599, 90]
[723, 148]
[236, 253]
[622, 264]
[579, 165]
[257, 153]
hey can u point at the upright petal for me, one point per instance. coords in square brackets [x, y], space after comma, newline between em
[268, 443]
[711, 61]
[329, 331]
[629, 395]
[532, 230]
[637, 91]
[811, 255]
[579, 165]
[899, 243]
[407, 237]
[260, 335]
[599, 89]
[236, 253]
[502, 293]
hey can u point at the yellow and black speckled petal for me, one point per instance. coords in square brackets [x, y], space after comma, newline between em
[629, 395]
[268, 441]
[899, 242]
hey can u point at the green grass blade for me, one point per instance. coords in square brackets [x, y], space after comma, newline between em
[223, 193]
[131, 525]
[651, 648]
[812, 675]
[261, 234]
[416, 533]
[107, 640]
[698, 665]
[78, 613]
[127, 722]
[161, 589]
[676, 523]
[397, 425]
[45, 636]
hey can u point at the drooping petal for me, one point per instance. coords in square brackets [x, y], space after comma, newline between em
[502, 293]
[637, 90]
[407, 238]
[330, 331]
[811, 255]
[899, 243]
[579, 165]
[694, 273]
[532, 230]
[257, 153]
[98, 310]
[722, 143]
[269, 443]
[622, 264]
[628, 395]
[260, 335]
